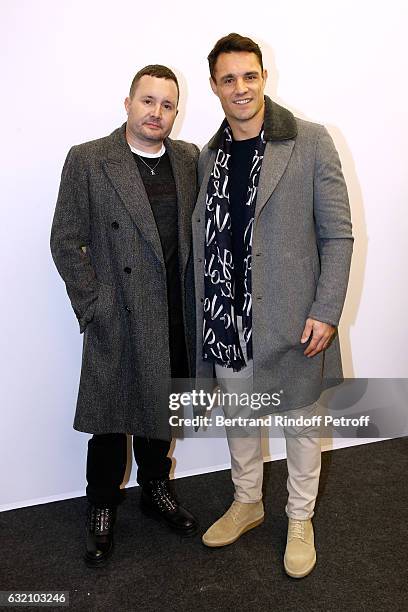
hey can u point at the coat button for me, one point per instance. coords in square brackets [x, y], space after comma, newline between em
[258, 254]
[198, 220]
[127, 309]
[201, 300]
[259, 297]
[115, 225]
[199, 260]
[127, 270]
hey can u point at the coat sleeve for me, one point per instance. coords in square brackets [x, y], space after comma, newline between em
[333, 231]
[70, 235]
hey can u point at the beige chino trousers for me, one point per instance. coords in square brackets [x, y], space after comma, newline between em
[303, 449]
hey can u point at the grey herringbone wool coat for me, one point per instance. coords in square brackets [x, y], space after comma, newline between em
[106, 246]
[301, 254]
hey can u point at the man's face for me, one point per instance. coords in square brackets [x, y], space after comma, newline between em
[239, 83]
[151, 111]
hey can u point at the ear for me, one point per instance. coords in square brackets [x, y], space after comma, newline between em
[265, 75]
[214, 86]
[127, 104]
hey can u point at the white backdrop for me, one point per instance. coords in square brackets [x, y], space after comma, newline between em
[66, 67]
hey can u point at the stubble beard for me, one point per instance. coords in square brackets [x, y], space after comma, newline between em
[254, 114]
[151, 137]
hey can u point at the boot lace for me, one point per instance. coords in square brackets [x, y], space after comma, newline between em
[234, 511]
[297, 529]
[162, 496]
[101, 520]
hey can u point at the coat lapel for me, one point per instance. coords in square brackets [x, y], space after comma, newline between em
[124, 175]
[186, 195]
[201, 199]
[276, 158]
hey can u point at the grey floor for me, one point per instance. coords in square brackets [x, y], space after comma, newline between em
[361, 539]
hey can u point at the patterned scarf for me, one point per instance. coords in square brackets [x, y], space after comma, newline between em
[220, 336]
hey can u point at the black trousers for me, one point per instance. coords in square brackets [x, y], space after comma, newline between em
[106, 465]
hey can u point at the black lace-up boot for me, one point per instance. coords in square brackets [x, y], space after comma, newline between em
[99, 537]
[159, 502]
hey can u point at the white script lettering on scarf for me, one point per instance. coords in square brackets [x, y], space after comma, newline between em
[221, 160]
[212, 307]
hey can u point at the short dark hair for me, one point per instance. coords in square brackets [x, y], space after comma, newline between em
[230, 43]
[154, 70]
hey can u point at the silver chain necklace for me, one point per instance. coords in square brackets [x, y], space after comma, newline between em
[152, 170]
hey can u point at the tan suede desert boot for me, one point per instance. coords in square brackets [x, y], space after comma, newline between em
[238, 519]
[300, 554]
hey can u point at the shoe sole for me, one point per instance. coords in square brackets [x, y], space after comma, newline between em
[236, 537]
[302, 574]
[157, 517]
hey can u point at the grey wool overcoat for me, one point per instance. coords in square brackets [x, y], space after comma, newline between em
[301, 253]
[106, 246]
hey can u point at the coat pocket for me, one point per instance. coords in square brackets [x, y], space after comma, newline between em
[101, 333]
[104, 303]
[289, 292]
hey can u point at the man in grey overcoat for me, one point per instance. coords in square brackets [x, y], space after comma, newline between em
[121, 240]
[272, 250]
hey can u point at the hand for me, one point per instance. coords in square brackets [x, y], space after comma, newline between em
[322, 335]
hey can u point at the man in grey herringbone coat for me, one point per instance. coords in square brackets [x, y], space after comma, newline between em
[273, 204]
[121, 240]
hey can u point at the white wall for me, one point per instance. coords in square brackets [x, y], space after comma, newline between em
[66, 67]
